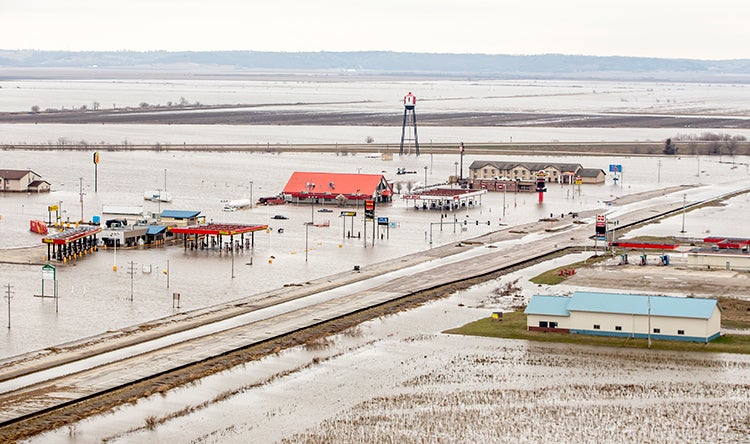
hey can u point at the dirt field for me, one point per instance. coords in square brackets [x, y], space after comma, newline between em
[245, 115]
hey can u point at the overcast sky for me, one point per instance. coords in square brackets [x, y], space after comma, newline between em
[716, 29]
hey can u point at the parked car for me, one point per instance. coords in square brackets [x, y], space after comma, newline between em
[279, 216]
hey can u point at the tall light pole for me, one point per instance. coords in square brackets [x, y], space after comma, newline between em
[684, 196]
[504, 189]
[455, 171]
[80, 193]
[424, 188]
[251, 194]
[307, 229]
[310, 187]
[649, 321]
[165, 179]
[658, 174]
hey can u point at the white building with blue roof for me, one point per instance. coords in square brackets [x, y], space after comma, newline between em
[626, 315]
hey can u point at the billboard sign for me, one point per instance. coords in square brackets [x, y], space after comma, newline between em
[601, 225]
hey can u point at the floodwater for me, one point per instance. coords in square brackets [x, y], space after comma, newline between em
[95, 299]
[384, 371]
[399, 377]
[351, 94]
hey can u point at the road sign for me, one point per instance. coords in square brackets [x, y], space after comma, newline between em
[52, 208]
[382, 221]
[49, 272]
[613, 168]
[348, 213]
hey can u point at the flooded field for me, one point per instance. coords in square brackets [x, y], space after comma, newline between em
[394, 379]
[398, 379]
[95, 299]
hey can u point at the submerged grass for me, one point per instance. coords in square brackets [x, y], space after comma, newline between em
[513, 326]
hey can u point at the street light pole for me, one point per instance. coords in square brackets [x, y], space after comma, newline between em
[251, 194]
[80, 192]
[504, 189]
[424, 188]
[649, 321]
[310, 187]
[684, 197]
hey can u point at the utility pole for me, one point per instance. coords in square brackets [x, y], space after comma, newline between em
[80, 193]
[131, 272]
[231, 246]
[307, 229]
[684, 196]
[649, 321]
[8, 296]
[658, 174]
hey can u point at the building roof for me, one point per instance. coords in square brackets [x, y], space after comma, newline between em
[590, 172]
[180, 214]
[37, 183]
[14, 174]
[122, 209]
[153, 230]
[531, 166]
[638, 304]
[439, 194]
[325, 185]
[219, 229]
[71, 234]
[548, 305]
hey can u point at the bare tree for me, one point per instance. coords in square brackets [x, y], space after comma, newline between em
[669, 147]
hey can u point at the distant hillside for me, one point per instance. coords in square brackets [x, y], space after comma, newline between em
[379, 63]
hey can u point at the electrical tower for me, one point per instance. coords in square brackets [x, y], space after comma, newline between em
[410, 122]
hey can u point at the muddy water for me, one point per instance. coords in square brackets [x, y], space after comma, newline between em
[400, 379]
[94, 299]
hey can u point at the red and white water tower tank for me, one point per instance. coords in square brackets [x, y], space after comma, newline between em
[410, 100]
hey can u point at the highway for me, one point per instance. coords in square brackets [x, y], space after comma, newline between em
[31, 386]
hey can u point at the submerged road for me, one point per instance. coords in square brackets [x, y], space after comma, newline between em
[41, 382]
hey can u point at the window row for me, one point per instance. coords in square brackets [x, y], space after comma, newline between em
[619, 328]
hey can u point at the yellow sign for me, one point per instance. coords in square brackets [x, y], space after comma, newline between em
[96, 157]
[52, 208]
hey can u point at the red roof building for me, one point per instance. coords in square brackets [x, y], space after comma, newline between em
[337, 188]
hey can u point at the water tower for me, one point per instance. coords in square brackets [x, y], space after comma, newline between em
[410, 122]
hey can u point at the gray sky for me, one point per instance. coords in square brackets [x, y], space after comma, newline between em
[652, 28]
